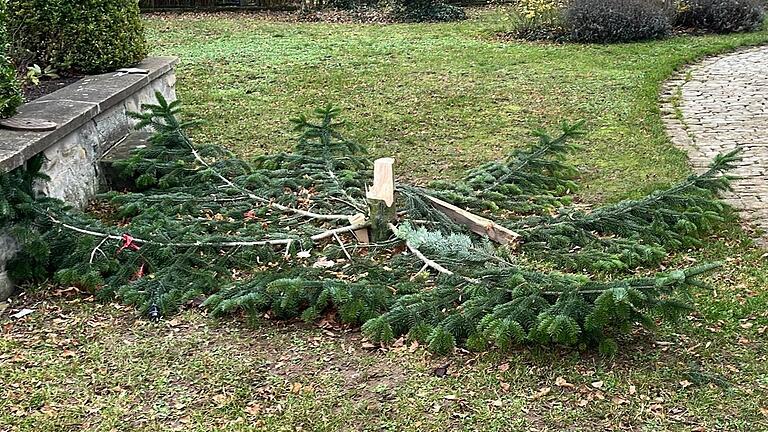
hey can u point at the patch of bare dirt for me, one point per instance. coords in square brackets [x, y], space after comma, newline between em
[48, 86]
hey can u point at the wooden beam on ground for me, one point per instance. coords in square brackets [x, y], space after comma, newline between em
[362, 233]
[476, 224]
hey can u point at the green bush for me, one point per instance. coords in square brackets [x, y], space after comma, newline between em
[89, 36]
[539, 20]
[721, 16]
[3, 20]
[10, 89]
[616, 20]
[425, 11]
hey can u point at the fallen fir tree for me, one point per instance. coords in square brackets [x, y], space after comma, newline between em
[498, 258]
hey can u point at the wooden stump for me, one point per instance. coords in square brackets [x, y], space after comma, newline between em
[381, 199]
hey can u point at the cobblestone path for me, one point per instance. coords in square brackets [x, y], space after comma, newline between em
[716, 105]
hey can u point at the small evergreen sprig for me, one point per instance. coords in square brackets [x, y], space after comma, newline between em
[22, 217]
[533, 179]
[323, 140]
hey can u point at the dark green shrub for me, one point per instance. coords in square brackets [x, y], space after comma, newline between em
[721, 16]
[393, 10]
[10, 89]
[88, 36]
[3, 21]
[426, 11]
[350, 4]
[616, 20]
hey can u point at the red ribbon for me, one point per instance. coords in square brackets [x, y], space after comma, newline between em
[128, 244]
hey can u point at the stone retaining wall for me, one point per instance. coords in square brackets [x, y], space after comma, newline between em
[91, 118]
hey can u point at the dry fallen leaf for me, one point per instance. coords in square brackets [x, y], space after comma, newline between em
[541, 393]
[296, 388]
[597, 384]
[632, 389]
[561, 382]
[253, 409]
[323, 262]
[504, 367]
[685, 383]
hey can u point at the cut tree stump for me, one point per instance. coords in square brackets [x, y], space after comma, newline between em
[381, 199]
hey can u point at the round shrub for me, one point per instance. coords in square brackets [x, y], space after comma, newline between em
[616, 20]
[721, 16]
[88, 36]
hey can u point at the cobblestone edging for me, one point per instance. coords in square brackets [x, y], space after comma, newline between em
[717, 105]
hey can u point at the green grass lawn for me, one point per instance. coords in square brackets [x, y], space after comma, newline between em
[437, 97]
[440, 98]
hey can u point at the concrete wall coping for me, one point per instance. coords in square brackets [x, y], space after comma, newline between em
[73, 106]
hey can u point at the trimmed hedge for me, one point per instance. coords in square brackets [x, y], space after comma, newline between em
[88, 36]
[721, 16]
[606, 21]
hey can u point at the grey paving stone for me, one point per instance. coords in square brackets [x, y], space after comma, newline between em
[724, 105]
